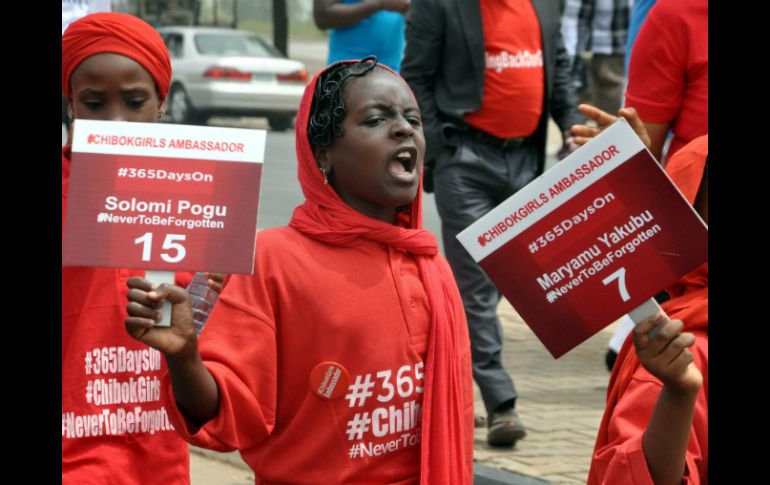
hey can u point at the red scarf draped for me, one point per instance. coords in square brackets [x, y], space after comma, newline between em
[689, 296]
[115, 33]
[325, 217]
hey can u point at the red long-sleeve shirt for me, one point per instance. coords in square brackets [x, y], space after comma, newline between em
[115, 428]
[308, 303]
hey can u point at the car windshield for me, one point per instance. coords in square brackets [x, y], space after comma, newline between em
[223, 45]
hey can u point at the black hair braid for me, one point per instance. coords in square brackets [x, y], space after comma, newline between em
[328, 108]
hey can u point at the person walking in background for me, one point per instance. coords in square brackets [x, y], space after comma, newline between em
[486, 92]
[599, 27]
[639, 13]
[361, 28]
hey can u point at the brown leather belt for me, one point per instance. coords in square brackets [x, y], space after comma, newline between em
[487, 139]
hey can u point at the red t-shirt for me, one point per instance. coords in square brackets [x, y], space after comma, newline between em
[514, 80]
[310, 303]
[115, 428]
[668, 74]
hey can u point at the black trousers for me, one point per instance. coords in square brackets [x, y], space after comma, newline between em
[470, 179]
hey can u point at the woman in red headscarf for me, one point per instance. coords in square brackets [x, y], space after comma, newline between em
[345, 357]
[115, 428]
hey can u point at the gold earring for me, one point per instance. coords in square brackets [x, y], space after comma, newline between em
[323, 172]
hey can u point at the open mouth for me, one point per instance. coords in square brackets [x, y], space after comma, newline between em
[407, 157]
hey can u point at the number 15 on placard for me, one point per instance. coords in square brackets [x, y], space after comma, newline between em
[170, 243]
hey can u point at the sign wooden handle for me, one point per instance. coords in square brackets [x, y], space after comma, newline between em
[158, 278]
[648, 309]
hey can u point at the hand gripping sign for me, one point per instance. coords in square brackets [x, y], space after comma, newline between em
[163, 197]
[593, 238]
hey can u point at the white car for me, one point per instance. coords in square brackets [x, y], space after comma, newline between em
[226, 72]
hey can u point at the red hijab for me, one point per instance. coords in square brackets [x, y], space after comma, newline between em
[689, 296]
[115, 33]
[446, 448]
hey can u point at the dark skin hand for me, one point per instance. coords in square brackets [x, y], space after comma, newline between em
[194, 388]
[216, 281]
[583, 133]
[666, 356]
[145, 300]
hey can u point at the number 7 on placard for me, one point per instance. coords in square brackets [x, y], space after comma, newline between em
[619, 275]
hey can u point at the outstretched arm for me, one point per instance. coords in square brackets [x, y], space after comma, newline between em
[194, 388]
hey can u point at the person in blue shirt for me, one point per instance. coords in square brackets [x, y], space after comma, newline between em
[638, 16]
[360, 28]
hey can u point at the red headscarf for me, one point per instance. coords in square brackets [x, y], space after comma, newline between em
[115, 33]
[689, 296]
[447, 445]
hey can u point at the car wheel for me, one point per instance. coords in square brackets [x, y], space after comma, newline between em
[279, 123]
[180, 109]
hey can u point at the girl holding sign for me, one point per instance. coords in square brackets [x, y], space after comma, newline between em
[115, 428]
[655, 425]
[345, 357]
